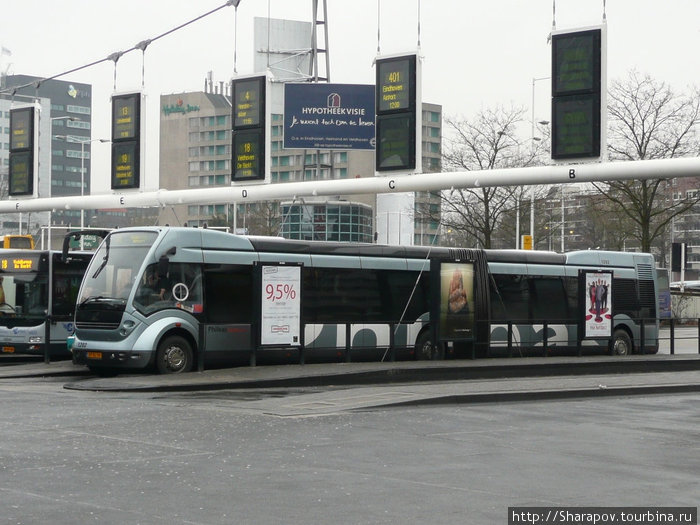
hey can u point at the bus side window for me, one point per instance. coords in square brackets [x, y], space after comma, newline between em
[549, 301]
[510, 300]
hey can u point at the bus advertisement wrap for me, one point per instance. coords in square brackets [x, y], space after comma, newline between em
[281, 306]
[598, 300]
[328, 116]
[456, 301]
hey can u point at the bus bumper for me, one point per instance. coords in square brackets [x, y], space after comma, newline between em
[111, 359]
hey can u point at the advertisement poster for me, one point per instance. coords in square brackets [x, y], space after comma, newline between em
[456, 301]
[281, 305]
[598, 301]
[328, 116]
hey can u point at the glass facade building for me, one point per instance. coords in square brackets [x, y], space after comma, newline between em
[328, 221]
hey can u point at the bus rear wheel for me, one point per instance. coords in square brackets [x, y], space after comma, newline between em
[424, 348]
[621, 343]
[174, 355]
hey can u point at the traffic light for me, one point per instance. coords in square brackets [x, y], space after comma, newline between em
[248, 137]
[398, 114]
[126, 141]
[578, 105]
[23, 157]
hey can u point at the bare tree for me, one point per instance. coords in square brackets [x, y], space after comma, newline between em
[647, 120]
[489, 141]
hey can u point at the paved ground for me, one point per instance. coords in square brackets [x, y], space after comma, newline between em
[347, 444]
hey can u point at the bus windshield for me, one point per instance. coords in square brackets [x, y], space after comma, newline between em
[115, 265]
[23, 295]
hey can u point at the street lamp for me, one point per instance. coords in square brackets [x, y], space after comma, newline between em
[82, 169]
[532, 190]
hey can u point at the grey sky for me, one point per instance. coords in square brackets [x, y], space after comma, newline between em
[476, 53]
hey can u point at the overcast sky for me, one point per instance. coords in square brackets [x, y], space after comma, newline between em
[477, 54]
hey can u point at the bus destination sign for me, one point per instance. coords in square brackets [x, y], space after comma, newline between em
[249, 102]
[395, 89]
[24, 263]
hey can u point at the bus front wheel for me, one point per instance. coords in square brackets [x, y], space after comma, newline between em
[174, 355]
[621, 343]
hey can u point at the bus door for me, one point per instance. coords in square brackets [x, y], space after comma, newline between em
[65, 281]
[228, 310]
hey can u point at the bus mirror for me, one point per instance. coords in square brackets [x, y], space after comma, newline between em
[163, 265]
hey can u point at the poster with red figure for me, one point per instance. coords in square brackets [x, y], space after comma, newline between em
[598, 301]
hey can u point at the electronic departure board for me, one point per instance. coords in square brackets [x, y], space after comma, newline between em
[125, 165]
[248, 161]
[125, 116]
[576, 94]
[248, 119]
[22, 128]
[126, 141]
[21, 173]
[396, 144]
[576, 62]
[249, 102]
[396, 79]
[395, 91]
[22, 157]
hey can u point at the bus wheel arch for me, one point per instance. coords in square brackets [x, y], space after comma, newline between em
[175, 353]
[621, 342]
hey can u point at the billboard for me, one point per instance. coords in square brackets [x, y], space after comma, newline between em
[598, 304]
[456, 310]
[328, 116]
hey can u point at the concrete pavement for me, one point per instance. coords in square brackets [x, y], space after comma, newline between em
[410, 382]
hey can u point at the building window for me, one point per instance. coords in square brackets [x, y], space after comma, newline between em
[78, 109]
[79, 124]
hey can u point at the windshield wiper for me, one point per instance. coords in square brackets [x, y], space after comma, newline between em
[90, 299]
[102, 299]
[104, 260]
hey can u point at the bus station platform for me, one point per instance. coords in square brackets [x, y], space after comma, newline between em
[416, 382]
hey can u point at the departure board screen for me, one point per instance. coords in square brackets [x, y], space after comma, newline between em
[125, 165]
[22, 128]
[576, 121]
[248, 149]
[21, 173]
[395, 142]
[396, 79]
[125, 116]
[249, 102]
[576, 62]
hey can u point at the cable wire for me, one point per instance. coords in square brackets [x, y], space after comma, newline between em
[117, 55]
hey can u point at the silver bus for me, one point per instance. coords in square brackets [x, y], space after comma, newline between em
[175, 298]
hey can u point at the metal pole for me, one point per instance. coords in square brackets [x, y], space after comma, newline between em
[82, 189]
[562, 219]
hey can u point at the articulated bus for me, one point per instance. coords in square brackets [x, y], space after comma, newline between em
[38, 292]
[175, 298]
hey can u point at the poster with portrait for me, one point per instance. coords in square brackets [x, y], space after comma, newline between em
[456, 301]
[598, 303]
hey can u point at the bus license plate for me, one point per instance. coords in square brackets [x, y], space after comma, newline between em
[94, 355]
[8, 349]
